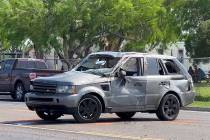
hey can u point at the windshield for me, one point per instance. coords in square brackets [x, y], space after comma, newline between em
[98, 64]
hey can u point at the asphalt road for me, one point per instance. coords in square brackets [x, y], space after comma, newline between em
[18, 123]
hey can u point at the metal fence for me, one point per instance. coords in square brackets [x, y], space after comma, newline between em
[61, 64]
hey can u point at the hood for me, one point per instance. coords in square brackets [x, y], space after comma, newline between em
[72, 78]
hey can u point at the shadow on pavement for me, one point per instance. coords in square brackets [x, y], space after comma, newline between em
[72, 121]
[6, 98]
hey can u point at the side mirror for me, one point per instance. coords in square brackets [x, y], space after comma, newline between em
[122, 73]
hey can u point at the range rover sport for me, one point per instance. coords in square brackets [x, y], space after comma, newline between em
[114, 82]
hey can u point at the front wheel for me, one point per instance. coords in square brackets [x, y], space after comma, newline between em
[169, 107]
[89, 109]
[19, 92]
[125, 115]
[48, 116]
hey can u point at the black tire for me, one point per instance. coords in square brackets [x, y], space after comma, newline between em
[169, 107]
[125, 115]
[48, 116]
[19, 92]
[89, 110]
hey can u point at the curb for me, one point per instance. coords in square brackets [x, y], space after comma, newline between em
[196, 109]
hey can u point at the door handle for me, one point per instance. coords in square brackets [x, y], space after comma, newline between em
[163, 83]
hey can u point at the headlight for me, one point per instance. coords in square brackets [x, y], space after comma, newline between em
[66, 89]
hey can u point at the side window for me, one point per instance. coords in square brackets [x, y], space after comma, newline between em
[153, 67]
[31, 65]
[171, 67]
[41, 65]
[131, 67]
[8, 64]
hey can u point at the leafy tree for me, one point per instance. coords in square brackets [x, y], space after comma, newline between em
[74, 26]
[198, 44]
[19, 20]
[109, 23]
[193, 17]
[191, 13]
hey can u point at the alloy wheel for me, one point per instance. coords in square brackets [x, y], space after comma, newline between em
[88, 108]
[171, 107]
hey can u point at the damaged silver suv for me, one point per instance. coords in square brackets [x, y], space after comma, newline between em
[114, 82]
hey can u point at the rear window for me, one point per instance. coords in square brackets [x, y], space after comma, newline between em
[41, 65]
[24, 64]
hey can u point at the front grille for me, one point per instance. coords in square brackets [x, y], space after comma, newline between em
[44, 87]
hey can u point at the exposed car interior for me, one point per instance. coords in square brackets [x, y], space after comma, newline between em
[171, 67]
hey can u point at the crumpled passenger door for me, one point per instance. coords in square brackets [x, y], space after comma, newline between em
[129, 92]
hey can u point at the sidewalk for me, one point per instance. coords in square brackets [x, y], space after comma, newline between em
[196, 109]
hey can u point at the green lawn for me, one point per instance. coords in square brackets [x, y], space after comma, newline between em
[202, 98]
[200, 104]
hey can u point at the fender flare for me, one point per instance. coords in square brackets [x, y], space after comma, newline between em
[174, 92]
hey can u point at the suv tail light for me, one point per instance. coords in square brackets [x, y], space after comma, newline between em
[32, 76]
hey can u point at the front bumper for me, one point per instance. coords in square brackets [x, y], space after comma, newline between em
[64, 103]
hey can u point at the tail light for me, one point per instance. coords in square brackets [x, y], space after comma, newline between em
[32, 76]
